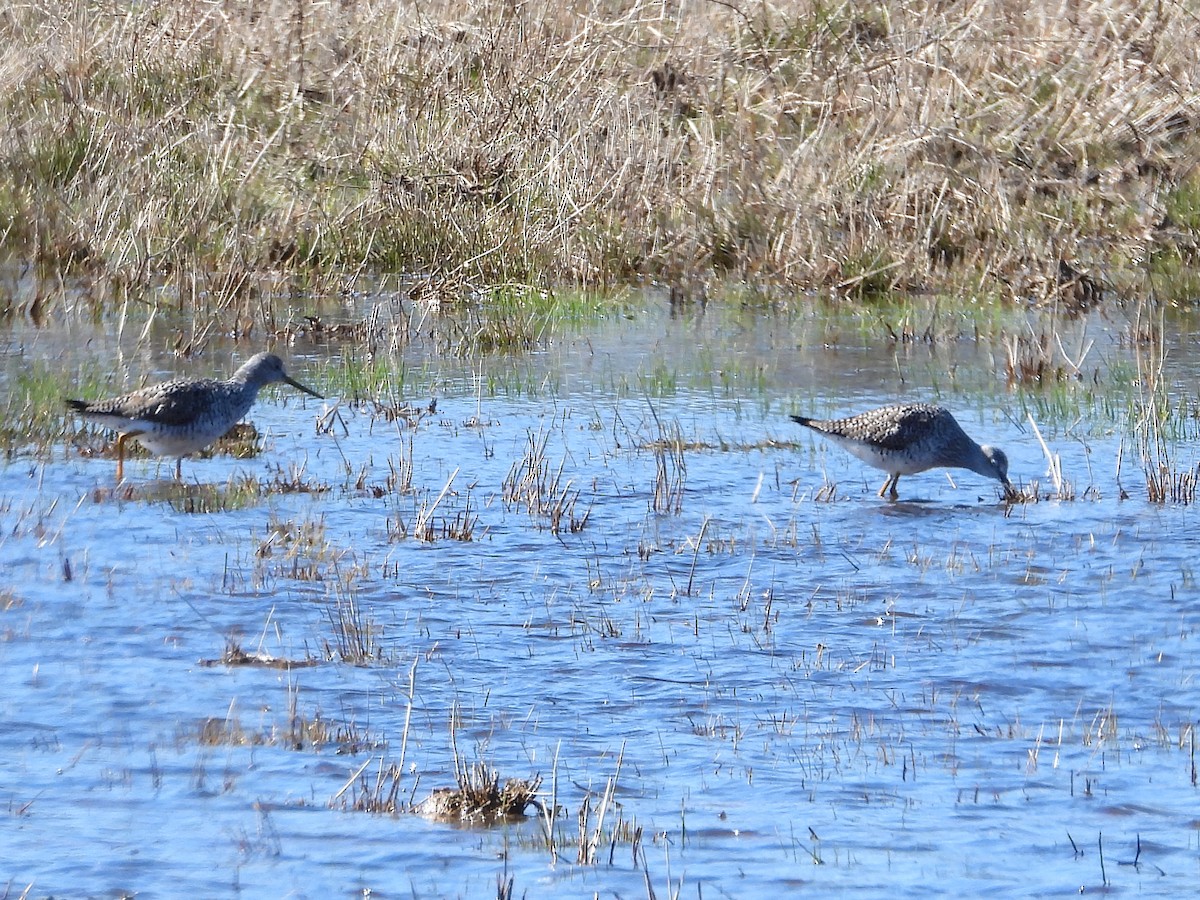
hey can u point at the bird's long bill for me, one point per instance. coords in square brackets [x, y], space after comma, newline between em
[1010, 491]
[294, 383]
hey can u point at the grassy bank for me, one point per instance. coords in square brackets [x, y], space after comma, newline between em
[851, 147]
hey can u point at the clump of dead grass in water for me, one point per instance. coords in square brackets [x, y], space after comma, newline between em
[480, 798]
[670, 467]
[300, 732]
[756, 146]
[670, 472]
[533, 483]
[299, 550]
[9, 600]
[355, 632]
[591, 820]
[423, 526]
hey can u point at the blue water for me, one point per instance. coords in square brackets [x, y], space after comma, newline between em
[936, 696]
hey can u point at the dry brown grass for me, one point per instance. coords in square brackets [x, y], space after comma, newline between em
[536, 484]
[856, 147]
[1160, 435]
[670, 470]
[300, 732]
[480, 797]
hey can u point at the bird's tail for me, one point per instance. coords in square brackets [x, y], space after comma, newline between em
[77, 405]
[803, 420]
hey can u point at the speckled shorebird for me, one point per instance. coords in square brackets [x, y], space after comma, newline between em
[910, 438]
[179, 417]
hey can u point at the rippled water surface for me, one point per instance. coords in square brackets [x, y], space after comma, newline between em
[786, 686]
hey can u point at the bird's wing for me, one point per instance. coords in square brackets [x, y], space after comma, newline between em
[174, 403]
[898, 431]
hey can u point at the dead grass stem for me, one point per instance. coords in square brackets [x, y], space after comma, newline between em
[591, 830]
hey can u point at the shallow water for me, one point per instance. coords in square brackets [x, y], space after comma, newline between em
[937, 695]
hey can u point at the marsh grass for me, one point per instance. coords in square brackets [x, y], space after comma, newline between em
[670, 470]
[300, 732]
[400, 470]
[293, 479]
[1169, 485]
[371, 334]
[184, 496]
[298, 550]
[507, 319]
[380, 795]
[1159, 433]
[480, 798]
[826, 493]
[355, 634]
[370, 378]
[593, 813]
[239, 491]
[1037, 353]
[969, 148]
[425, 525]
[1167, 481]
[463, 323]
[317, 733]
[534, 483]
[462, 526]
[406, 413]
[9, 600]
[294, 538]
[215, 732]
[32, 414]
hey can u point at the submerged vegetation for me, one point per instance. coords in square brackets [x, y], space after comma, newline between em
[993, 148]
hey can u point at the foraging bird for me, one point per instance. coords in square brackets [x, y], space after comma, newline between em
[910, 438]
[179, 417]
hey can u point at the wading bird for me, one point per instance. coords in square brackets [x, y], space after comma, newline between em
[910, 438]
[179, 417]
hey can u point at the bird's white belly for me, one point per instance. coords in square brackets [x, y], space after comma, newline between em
[179, 443]
[893, 461]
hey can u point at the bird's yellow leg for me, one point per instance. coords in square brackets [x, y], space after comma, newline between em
[890, 483]
[895, 481]
[121, 456]
[179, 469]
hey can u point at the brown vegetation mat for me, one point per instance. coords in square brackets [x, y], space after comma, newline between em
[998, 147]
